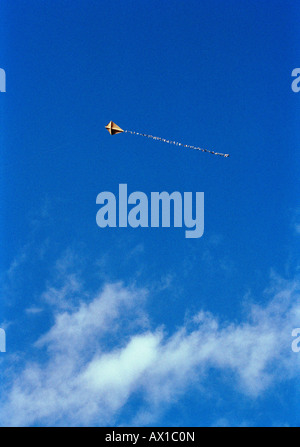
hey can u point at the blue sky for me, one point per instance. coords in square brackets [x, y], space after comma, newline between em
[186, 332]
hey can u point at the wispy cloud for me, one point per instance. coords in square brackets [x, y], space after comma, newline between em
[103, 352]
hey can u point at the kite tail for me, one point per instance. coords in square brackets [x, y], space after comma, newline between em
[175, 142]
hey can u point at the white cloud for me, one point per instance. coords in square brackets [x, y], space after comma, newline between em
[74, 330]
[62, 296]
[101, 353]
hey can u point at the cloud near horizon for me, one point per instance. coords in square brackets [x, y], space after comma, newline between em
[104, 351]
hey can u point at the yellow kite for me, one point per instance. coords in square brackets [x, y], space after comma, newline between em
[113, 129]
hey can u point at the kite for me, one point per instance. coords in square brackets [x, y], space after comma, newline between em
[114, 129]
